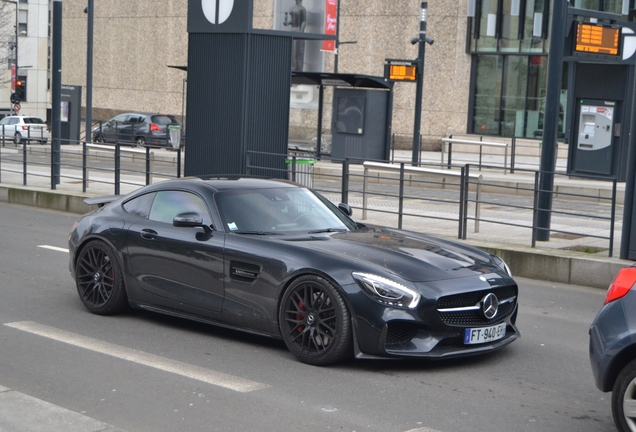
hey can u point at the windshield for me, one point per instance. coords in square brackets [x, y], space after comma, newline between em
[279, 210]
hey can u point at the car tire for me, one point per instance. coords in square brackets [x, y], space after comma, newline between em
[315, 322]
[140, 141]
[624, 392]
[99, 279]
[17, 138]
[99, 139]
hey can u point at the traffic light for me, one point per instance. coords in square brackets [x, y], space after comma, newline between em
[20, 89]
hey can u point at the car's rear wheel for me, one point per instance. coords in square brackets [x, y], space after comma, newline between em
[624, 399]
[99, 279]
[17, 138]
[140, 141]
[315, 322]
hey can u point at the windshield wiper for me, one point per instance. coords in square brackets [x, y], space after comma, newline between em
[328, 230]
[255, 232]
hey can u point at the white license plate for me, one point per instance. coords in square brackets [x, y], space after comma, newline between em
[484, 334]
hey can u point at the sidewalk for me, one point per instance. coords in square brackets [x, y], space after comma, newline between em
[568, 258]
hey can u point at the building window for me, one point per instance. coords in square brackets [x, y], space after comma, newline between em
[22, 23]
[509, 96]
[509, 26]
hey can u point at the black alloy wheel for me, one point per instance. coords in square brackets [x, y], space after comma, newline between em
[624, 399]
[99, 280]
[315, 322]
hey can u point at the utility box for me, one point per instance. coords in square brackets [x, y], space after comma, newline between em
[361, 125]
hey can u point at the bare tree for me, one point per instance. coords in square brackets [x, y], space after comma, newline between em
[7, 39]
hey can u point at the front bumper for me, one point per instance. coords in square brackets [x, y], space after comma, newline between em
[383, 332]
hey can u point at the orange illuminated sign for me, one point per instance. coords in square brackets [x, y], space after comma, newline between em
[402, 73]
[597, 39]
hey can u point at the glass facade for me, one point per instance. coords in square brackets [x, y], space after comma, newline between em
[509, 42]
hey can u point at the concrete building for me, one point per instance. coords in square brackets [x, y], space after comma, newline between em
[484, 74]
[32, 20]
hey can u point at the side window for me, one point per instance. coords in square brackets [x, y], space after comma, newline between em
[168, 204]
[14, 121]
[140, 206]
[120, 119]
[4, 121]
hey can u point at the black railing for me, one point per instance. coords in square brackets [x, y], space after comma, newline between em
[381, 189]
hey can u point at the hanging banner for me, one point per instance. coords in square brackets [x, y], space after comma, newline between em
[331, 24]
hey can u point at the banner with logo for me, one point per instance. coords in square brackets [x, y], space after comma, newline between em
[331, 24]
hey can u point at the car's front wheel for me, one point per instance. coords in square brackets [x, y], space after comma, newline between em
[315, 322]
[624, 399]
[99, 280]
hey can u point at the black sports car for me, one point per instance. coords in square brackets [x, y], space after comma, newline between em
[274, 258]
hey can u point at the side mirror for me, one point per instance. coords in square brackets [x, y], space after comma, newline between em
[190, 220]
[345, 209]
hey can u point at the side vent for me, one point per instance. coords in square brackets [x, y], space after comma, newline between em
[244, 272]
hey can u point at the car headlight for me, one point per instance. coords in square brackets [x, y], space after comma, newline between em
[386, 291]
[502, 265]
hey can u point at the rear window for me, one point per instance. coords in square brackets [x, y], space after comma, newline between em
[33, 120]
[163, 119]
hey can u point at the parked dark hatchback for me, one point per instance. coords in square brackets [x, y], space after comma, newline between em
[277, 259]
[137, 129]
[613, 348]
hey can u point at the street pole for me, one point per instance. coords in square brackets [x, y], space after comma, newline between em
[89, 72]
[630, 181]
[419, 84]
[56, 93]
[550, 119]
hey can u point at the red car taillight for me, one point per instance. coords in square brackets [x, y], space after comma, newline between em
[623, 282]
[25, 127]
[154, 127]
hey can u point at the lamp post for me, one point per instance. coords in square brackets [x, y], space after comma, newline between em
[422, 40]
[89, 71]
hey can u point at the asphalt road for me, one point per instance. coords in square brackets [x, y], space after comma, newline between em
[63, 369]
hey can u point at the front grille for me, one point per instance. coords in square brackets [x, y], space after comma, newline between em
[464, 318]
[399, 333]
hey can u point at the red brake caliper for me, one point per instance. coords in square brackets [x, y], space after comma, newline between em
[300, 317]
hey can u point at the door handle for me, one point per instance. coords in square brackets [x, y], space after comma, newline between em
[148, 234]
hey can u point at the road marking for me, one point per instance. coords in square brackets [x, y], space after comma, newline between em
[53, 248]
[22, 412]
[195, 372]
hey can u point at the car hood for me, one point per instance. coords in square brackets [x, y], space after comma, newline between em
[413, 257]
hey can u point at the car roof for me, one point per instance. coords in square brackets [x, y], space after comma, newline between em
[223, 183]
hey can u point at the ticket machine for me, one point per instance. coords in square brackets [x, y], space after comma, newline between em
[597, 137]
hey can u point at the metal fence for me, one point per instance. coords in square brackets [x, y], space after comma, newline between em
[87, 165]
[414, 198]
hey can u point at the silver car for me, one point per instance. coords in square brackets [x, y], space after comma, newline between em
[24, 128]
